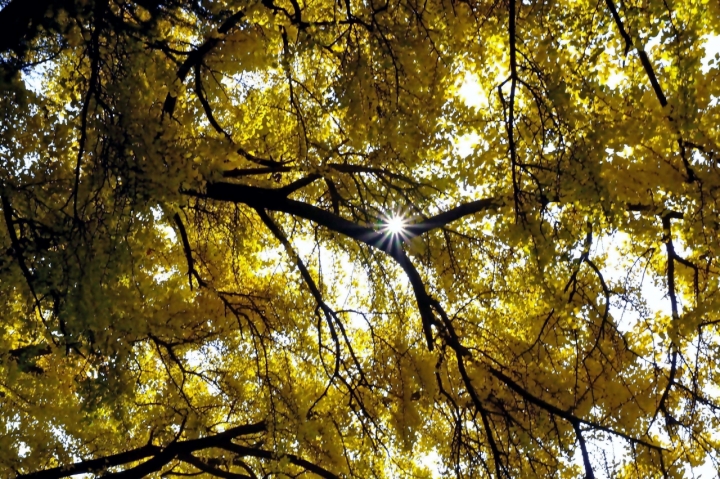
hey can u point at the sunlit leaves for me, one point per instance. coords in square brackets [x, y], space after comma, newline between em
[445, 241]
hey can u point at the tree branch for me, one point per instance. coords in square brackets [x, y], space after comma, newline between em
[292, 458]
[159, 457]
[276, 200]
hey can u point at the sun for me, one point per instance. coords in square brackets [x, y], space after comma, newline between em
[394, 225]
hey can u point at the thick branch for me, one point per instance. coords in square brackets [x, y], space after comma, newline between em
[159, 457]
[204, 467]
[442, 219]
[641, 53]
[662, 99]
[17, 248]
[188, 251]
[589, 474]
[92, 465]
[291, 458]
[276, 200]
[196, 57]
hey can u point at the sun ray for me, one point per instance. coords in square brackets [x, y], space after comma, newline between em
[395, 225]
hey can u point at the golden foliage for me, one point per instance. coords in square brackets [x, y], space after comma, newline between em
[197, 276]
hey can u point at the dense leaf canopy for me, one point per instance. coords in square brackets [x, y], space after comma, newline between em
[359, 238]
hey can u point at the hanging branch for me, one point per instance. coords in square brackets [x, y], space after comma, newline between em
[655, 83]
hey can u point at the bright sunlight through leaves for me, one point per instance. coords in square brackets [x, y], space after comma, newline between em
[394, 225]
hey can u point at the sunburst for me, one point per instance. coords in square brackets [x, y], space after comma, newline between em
[395, 227]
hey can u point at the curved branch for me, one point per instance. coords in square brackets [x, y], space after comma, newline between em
[159, 457]
[655, 83]
[196, 57]
[291, 458]
[568, 416]
[207, 468]
[276, 200]
[17, 251]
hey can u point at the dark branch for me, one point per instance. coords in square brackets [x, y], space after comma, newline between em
[245, 451]
[159, 457]
[276, 200]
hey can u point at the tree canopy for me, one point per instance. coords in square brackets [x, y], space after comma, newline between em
[359, 238]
